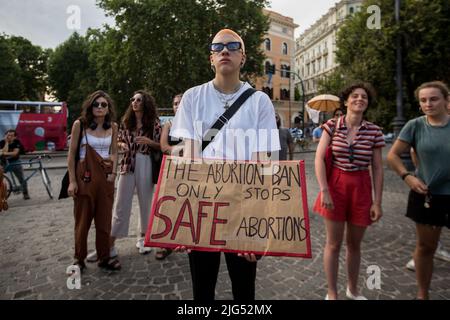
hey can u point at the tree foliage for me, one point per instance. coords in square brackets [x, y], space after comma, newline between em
[22, 70]
[11, 86]
[158, 45]
[162, 45]
[32, 61]
[71, 75]
[370, 54]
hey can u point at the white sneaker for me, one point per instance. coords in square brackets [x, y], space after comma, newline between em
[92, 257]
[352, 297]
[411, 265]
[442, 254]
[141, 247]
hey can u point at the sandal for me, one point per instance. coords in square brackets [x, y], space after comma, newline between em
[111, 264]
[163, 253]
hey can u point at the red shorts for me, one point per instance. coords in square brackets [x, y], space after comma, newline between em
[351, 193]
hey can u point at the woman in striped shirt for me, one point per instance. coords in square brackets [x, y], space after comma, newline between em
[345, 198]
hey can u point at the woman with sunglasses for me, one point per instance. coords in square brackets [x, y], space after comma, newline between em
[92, 172]
[429, 198]
[200, 108]
[138, 137]
[345, 198]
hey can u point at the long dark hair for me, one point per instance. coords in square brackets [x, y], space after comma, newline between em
[148, 118]
[87, 117]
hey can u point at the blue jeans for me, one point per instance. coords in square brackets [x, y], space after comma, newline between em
[18, 172]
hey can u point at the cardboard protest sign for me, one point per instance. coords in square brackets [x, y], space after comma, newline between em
[231, 206]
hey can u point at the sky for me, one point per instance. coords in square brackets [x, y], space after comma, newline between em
[48, 23]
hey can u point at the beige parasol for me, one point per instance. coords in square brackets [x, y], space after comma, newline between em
[324, 103]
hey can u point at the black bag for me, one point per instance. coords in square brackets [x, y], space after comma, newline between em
[66, 181]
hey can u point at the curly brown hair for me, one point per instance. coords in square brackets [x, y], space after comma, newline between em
[87, 117]
[149, 117]
[367, 87]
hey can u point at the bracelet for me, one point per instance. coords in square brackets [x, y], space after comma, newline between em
[405, 175]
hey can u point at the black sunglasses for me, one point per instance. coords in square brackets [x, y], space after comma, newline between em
[102, 104]
[231, 46]
[351, 157]
[137, 99]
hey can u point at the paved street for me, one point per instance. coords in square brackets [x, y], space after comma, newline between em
[36, 246]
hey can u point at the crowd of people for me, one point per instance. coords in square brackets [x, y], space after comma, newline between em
[348, 167]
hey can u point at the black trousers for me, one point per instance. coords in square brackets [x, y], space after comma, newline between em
[205, 269]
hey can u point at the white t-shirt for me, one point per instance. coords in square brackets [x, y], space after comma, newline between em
[251, 129]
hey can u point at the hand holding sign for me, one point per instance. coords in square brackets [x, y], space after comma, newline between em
[249, 208]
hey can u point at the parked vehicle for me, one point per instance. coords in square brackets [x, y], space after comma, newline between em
[39, 125]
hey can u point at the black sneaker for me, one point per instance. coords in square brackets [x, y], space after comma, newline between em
[26, 196]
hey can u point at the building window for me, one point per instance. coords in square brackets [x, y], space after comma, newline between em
[284, 94]
[351, 10]
[285, 30]
[268, 91]
[267, 67]
[285, 71]
[268, 44]
[285, 48]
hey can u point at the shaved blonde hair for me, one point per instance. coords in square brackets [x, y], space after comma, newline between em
[233, 34]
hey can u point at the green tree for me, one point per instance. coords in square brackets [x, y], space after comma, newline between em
[11, 85]
[32, 61]
[161, 45]
[71, 76]
[369, 54]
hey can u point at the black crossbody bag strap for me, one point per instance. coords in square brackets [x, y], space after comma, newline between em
[225, 117]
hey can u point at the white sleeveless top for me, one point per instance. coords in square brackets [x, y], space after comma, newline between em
[100, 145]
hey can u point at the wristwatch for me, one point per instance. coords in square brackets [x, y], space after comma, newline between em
[406, 174]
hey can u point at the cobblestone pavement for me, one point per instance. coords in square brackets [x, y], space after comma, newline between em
[36, 246]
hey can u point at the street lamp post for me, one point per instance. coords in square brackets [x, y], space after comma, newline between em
[399, 120]
[295, 74]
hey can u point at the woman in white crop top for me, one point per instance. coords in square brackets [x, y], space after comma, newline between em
[92, 163]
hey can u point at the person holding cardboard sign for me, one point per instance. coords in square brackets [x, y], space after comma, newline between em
[253, 123]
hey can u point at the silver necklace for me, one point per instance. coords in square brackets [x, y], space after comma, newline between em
[223, 97]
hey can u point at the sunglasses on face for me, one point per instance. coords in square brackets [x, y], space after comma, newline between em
[135, 99]
[231, 46]
[100, 104]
